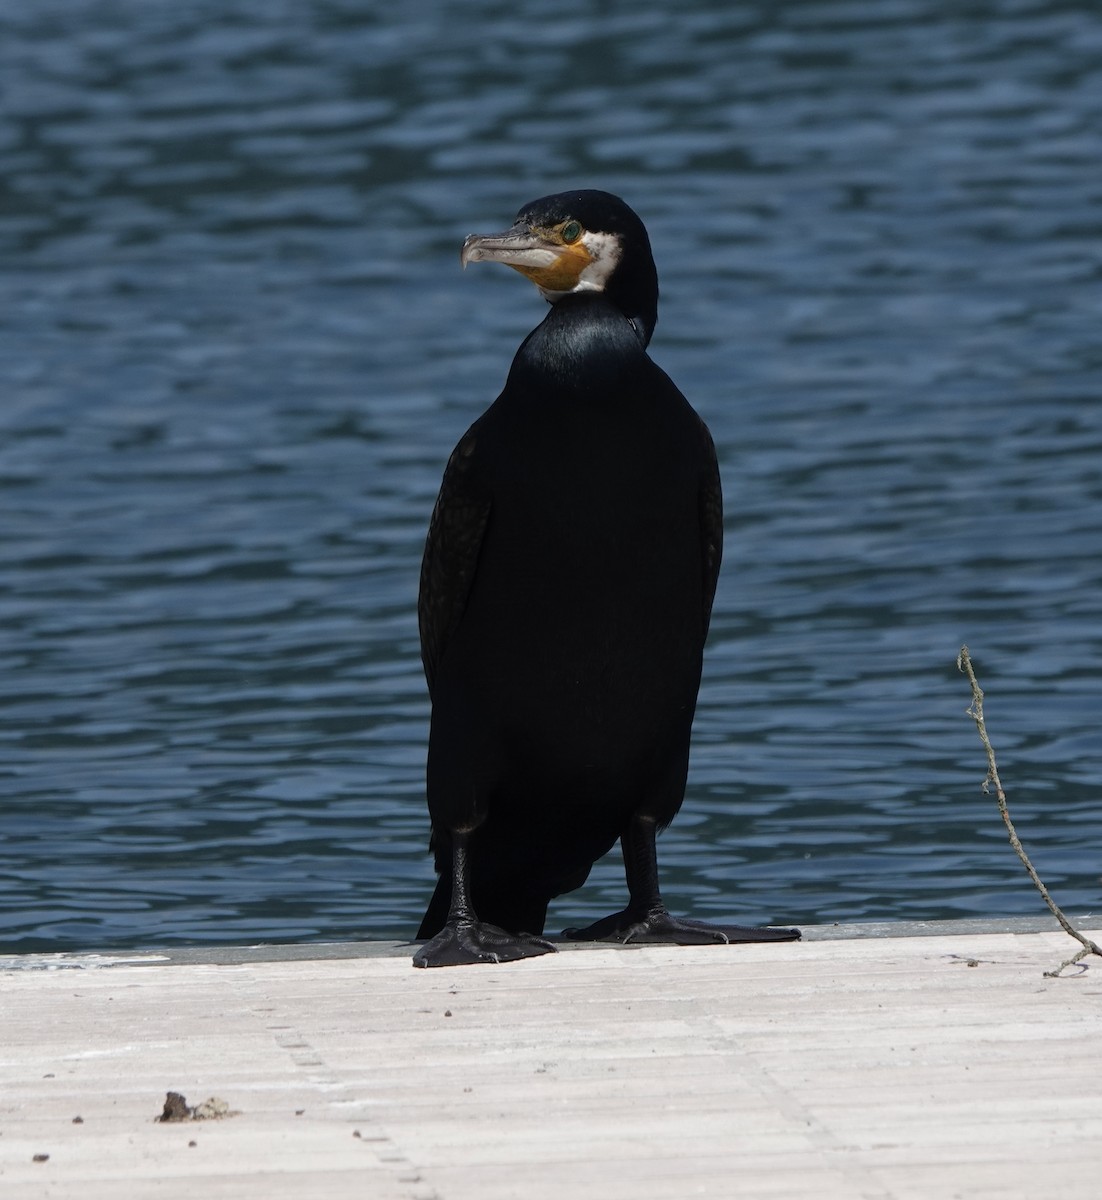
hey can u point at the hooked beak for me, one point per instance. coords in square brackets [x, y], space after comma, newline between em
[551, 265]
[518, 247]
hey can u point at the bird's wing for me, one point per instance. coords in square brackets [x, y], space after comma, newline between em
[451, 552]
[710, 500]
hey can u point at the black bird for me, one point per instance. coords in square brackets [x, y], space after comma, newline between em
[566, 589]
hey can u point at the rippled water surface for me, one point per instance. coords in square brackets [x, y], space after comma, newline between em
[236, 348]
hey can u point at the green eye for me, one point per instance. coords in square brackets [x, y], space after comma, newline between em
[570, 232]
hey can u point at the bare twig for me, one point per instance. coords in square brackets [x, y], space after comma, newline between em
[975, 711]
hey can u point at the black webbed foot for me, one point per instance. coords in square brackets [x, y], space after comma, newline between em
[463, 942]
[658, 926]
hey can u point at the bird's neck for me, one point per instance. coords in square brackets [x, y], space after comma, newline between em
[585, 343]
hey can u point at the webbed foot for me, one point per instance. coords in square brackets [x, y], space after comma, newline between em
[462, 942]
[658, 926]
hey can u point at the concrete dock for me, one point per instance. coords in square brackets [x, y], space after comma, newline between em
[942, 1064]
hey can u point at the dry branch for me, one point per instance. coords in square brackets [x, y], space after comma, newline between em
[975, 711]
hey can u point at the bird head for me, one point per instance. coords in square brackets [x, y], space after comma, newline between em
[584, 241]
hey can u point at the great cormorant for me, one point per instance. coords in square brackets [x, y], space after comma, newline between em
[566, 589]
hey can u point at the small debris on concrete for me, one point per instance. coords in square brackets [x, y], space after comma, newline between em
[41, 1158]
[78, 1120]
[212, 1109]
[175, 1109]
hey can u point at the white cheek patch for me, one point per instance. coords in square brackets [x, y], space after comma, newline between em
[604, 250]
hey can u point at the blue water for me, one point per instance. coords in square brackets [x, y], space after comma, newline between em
[236, 348]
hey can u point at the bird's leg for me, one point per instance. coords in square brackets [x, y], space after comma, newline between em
[646, 918]
[466, 939]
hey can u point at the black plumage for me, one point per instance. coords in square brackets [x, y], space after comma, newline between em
[566, 589]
